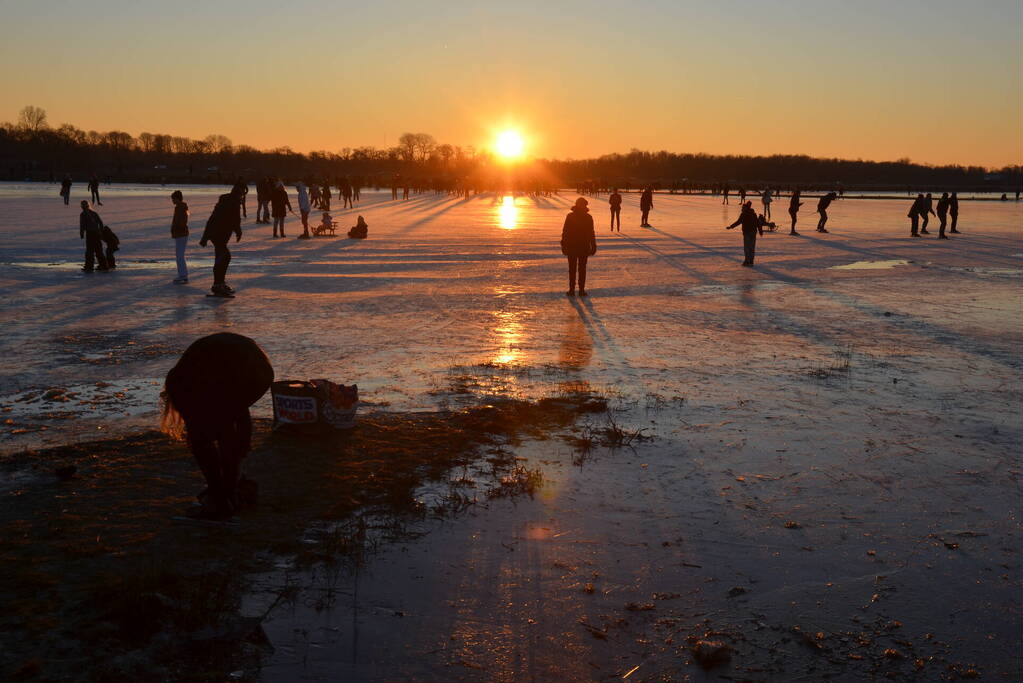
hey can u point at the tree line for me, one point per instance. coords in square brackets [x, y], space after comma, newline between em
[32, 149]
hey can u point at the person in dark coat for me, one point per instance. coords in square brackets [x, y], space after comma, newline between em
[926, 211]
[225, 220]
[263, 190]
[208, 393]
[360, 230]
[578, 243]
[241, 189]
[615, 202]
[94, 190]
[65, 189]
[953, 211]
[112, 244]
[90, 229]
[280, 205]
[943, 215]
[914, 216]
[646, 202]
[751, 227]
[822, 208]
[794, 205]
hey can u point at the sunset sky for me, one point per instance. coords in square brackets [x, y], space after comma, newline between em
[936, 81]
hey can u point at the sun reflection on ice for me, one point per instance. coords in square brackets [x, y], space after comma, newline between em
[508, 335]
[508, 214]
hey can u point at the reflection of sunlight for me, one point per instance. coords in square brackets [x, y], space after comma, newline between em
[508, 333]
[508, 214]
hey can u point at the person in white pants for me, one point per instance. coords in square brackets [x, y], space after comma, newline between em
[179, 231]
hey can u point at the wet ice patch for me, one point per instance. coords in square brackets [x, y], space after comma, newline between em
[872, 265]
[124, 398]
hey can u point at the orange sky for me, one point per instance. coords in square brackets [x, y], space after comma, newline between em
[934, 81]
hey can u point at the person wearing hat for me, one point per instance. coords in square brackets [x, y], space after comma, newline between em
[578, 243]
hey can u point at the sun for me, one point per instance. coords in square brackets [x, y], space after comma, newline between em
[510, 144]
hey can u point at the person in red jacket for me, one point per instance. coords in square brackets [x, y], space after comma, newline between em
[578, 243]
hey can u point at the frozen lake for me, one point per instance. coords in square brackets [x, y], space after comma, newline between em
[837, 431]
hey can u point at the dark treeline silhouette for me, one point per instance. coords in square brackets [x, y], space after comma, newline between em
[30, 149]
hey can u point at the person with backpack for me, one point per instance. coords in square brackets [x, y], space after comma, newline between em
[179, 232]
[90, 229]
[751, 227]
[578, 243]
[224, 221]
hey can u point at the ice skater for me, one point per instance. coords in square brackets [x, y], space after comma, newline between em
[615, 202]
[943, 215]
[953, 211]
[724, 194]
[751, 227]
[304, 207]
[94, 190]
[225, 220]
[766, 199]
[207, 395]
[65, 189]
[794, 205]
[822, 208]
[578, 243]
[914, 216]
[280, 205]
[646, 203]
[926, 211]
[90, 229]
[179, 233]
[112, 244]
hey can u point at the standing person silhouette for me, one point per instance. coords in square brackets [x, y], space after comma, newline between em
[325, 196]
[765, 199]
[914, 216]
[241, 189]
[751, 227]
[646, 202]
[794, 205]
[65, 189]
[615, 202]
[280, 205]
[953, 210]
[742, 195]
[179, 232]
[822, 208]
[223, 221]
[94, 190]
[263, 189]
[578, 243]
[926, 211]
[304, 208]
[210, 390]
[90, 229]
[943, 215]
[724, 193]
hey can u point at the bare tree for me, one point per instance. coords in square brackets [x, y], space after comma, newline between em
[32, 119]
[217, 143]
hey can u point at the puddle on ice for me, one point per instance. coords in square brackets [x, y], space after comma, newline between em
[123, 397]
[872, 265]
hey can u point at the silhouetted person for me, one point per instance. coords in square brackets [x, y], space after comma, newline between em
[943, 215]
[742, 195]
[751, 227]
[615, 202]
[94, 190]
[766, 199]
[794, 205]
[926, 211]
[210, 390]
[65, 189]
[914, 216]
[953, 211]
[646, 202]
[280, 205]
[360, 230]
[90, 229]
[724, 194]
[324, 197]
[112, 244]
[822, 208]
[179, 232]
[263, 190]
[223, 221]
[241, 189]
[578, 243]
